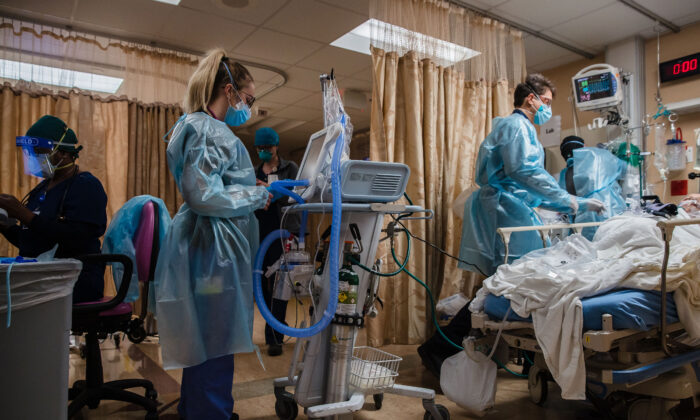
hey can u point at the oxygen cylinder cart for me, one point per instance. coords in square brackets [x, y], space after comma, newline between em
[330, 376]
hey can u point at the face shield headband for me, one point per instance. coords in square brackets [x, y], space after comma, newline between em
[36, 163]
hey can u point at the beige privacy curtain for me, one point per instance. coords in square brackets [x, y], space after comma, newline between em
[433, 118]
[60, 60]
[148, 167]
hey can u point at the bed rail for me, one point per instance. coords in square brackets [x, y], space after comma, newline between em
[544, 230]
[667, 227]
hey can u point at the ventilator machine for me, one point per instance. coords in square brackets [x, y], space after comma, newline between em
[329, 376]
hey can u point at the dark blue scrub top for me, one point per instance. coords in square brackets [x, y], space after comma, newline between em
[77, 233]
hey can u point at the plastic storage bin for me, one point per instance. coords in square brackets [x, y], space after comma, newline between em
[34, 351]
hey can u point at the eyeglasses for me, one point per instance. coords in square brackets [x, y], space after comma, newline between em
[249, 99]
[265, 147]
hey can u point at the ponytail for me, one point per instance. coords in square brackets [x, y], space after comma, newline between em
[209, 76]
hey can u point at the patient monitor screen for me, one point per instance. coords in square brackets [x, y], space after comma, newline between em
[594, 87]
[311, 159]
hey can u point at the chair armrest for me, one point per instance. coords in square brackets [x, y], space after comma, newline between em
[123, 288]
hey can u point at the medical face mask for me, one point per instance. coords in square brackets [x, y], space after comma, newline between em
[239, 114]
[543, 113]
[265, 155]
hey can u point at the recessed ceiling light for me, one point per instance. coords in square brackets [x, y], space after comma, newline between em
[173, 2]
[55, 76]
[446, 54]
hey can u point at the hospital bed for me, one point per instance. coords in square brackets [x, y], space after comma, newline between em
[636, 367]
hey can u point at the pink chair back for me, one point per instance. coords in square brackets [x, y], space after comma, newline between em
[144, 241]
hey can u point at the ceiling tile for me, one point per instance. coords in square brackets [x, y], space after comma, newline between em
[204, 31]
[300, 78]
[277, 47]
[344, 62]
[296, 112]
[672, 9]
[255, 13]
[314, 101]
[539, 51]
[130, 16]
[58, 8]
[566, 59]
[357, 6]
[329, 22]
[365, 74]
[261, 74]
[287, 95]
[251, 61]
[604, 26]
[548, 13]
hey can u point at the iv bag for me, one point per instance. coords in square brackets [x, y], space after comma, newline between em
[660, 159]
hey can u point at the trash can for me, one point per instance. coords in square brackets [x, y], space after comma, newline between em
[34, 351]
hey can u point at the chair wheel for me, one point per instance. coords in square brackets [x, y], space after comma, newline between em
[117, 340]
[152, 416]
[136, 333]
[93, 404]
[151, 394]
[378, 400]
[286, 408]
[444, 413]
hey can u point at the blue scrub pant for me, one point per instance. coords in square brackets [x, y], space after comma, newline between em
[206, 390]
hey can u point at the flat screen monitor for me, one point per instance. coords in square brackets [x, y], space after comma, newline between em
[598, 86]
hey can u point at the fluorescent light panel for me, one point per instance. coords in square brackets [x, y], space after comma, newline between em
[447, 53]
[58, 77]
[173, 2]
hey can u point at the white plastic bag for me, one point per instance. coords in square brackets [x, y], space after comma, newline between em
[449, 306]
[470, 383]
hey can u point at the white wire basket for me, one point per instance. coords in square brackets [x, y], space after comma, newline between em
[373, 369]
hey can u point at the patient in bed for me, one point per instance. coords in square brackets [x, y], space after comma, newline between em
[691, 204]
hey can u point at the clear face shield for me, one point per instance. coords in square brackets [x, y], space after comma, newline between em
[36, 154]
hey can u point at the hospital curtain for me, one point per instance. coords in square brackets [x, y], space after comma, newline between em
[432, 116]
[97, 124]
[148, 168]
[60, 60]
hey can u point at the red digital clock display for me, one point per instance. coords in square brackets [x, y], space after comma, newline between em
[679, 68]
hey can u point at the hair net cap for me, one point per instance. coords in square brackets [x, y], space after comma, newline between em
[53, 128]
[266, 136]
[569, 144]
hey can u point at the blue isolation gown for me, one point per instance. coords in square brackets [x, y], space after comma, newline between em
[513, 182]
[204, 277]
[596, 175]
[120, 236]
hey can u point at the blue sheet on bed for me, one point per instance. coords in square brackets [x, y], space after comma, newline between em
[630, 308]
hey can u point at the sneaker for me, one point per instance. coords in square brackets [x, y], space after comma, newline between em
[274, 350]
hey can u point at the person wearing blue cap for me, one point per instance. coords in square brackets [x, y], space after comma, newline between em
[271, 168]
[68, 208]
